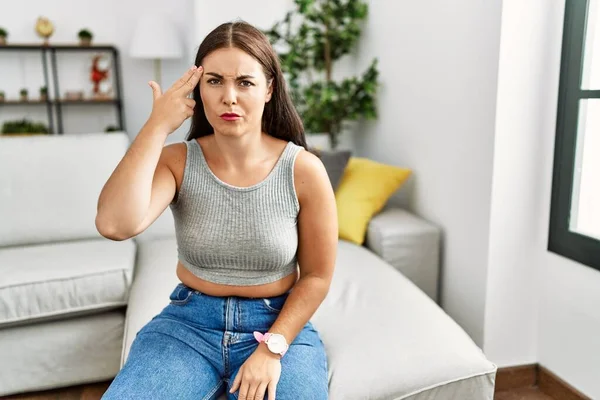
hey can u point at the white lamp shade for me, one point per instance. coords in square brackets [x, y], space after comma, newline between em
[155, 37]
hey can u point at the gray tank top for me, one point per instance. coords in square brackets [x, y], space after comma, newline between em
[237, 235]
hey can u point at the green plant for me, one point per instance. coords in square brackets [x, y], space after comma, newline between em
[44, 90]
[3, 32]
[1, 93]
[111, 128]
[24, 126]
[326, 31]
[23, 92]
[85, 34]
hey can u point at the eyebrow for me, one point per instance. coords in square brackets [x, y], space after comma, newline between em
[239, 78]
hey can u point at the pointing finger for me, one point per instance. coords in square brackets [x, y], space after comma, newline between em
[186, 77]
[192, 82]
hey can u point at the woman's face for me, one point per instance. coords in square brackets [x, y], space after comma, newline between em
[234, 90]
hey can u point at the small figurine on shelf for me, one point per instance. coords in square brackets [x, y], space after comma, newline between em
[44, 28]
[1, 96]
[24, 94]
[43, 93]
[3, 36]
[85, 37]
[99, 73]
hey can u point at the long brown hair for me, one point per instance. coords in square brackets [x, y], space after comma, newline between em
[280, 118]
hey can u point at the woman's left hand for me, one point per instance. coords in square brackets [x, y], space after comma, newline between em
[259, 373]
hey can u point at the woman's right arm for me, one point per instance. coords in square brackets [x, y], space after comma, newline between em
[142, 185]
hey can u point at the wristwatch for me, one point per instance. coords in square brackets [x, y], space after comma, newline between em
[275, 342]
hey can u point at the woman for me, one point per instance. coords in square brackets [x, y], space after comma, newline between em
[256, 228]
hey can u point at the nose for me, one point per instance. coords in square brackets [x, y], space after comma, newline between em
[229, 95]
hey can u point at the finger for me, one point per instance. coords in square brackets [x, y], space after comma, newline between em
[186, 77]
[156, 92]
[244, 387]
[272, 388]
[189, 102]
[236, 382]
[192, 82]
[260, 392]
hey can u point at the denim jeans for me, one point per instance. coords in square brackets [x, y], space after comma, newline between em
[194, 348]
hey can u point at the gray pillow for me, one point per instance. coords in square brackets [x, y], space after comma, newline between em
[335, 162]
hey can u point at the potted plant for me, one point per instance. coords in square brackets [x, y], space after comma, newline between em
[1, 96]
[24, 94]
[312, 37]
[44, 93]
[23, 127]
[3, 36]
[111, 128]
[85, 37]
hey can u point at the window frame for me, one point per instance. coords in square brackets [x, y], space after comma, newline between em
[561, 240]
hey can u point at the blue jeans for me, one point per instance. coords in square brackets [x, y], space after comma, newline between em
[194, 348]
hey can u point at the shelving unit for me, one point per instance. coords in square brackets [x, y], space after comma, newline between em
[55, 105]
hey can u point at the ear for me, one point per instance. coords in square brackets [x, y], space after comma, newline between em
[269, 91]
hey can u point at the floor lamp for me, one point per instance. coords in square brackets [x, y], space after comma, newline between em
[155, 38]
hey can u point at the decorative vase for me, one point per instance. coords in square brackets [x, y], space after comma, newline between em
[319, 141]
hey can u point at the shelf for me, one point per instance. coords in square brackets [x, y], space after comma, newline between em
[63, 47]
[64, 101]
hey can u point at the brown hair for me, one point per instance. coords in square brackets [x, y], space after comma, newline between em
[280, 118]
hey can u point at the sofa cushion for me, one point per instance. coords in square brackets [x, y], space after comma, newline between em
[385, 339]
[363, 191]
[49, 185]
[64, 279]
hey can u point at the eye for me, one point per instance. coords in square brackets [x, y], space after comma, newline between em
[246, 83]
[213, 81]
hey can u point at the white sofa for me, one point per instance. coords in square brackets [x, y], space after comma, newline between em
[64, 288]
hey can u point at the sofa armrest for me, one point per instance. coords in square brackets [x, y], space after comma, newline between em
[410, 244]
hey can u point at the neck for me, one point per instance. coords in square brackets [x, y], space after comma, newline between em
[241, 151]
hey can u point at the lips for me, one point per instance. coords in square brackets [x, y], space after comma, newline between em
[230, 116]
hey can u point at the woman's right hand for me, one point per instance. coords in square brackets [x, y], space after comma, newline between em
[171, 108]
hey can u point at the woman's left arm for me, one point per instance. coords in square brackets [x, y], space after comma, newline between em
[317, 249]
[317, 245]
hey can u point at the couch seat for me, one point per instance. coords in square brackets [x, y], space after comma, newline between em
[63, 279]
[384, 337]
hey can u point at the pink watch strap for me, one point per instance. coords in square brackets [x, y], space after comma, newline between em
[260, 337]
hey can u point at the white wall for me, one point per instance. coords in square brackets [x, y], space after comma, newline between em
[540, 306]
[438, 63]
[112, 22]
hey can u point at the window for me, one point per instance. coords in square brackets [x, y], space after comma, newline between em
[575, 207]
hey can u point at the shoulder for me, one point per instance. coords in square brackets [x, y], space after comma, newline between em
[310, 175]
[173, 156]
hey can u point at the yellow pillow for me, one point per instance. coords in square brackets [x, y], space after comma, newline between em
[363, 191]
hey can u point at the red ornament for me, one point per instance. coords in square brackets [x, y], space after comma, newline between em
[97, 75]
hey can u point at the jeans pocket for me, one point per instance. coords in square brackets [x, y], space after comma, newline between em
[181, 295]
[274, 304]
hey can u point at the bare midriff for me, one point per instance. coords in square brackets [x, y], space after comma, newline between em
[215, 289]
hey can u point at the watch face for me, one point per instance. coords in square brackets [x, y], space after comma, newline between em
[276, 343]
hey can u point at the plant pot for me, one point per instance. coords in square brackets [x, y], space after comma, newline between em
[319, 141]
[2, 40]
[2, 98]
[24, 97]
[43, 96]
[22, 134]
[85, 41]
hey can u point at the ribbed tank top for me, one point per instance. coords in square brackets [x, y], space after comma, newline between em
[237, 235]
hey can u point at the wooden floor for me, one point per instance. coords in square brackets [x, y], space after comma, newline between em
[95, 391]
